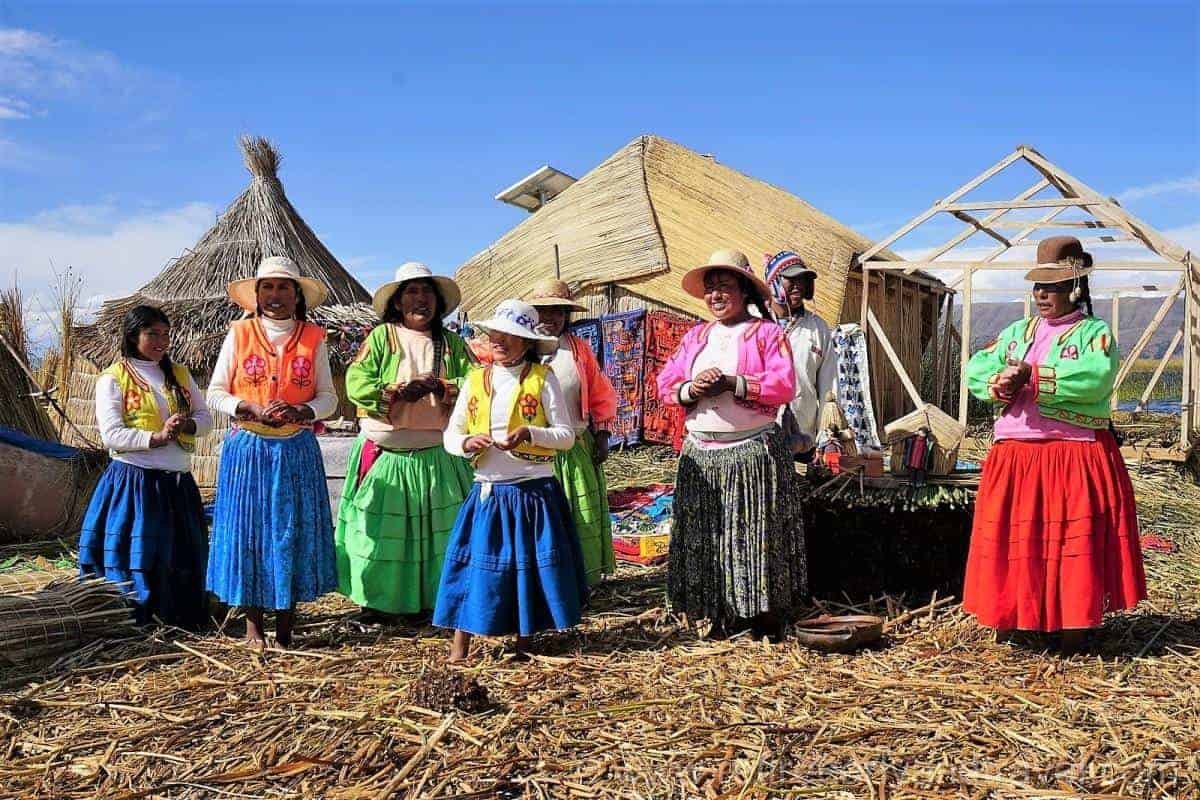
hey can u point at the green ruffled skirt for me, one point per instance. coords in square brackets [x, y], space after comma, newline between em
[393, 527]
[587, 492]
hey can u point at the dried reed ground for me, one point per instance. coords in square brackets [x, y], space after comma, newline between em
[632, 705]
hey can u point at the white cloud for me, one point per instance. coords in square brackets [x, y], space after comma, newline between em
[14, 108]
[1188, 185]
[34, 64]
[111, 253]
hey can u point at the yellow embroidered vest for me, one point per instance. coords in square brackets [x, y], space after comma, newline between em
[527, 408]
[140, 409]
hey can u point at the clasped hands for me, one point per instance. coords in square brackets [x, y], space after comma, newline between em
[1013, 377]
[274, 414]
[175, 425]
[712, 382]
[477, 444]
[414, 390]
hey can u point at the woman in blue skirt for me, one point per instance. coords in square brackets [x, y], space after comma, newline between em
[272, 535]
[145, 524]
[513, 563]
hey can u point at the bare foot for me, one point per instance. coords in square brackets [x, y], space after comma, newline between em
[255, 638]
[256, 643]
[283, 629]
[460, 646]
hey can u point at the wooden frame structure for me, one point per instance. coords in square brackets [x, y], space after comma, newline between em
[1056, 191]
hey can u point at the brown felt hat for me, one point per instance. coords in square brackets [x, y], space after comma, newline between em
[552, 292]
[1059, 259]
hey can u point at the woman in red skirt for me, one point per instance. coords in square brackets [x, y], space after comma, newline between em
[1055, 538]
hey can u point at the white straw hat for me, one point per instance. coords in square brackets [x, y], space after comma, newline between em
[411, 271]
[517, 318]
[734, 261]
[243, 292]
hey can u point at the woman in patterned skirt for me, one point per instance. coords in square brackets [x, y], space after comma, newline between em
[737, 547]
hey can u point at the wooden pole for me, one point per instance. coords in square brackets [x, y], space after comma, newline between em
[965, 347]
[1048, 202]
[1147, 334]
[944, 361]
[1158, 371]
[557, 266]
[897, 364]
[1189, 413]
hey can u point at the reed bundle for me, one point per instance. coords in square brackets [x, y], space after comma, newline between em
[18, 408]
[61, 616]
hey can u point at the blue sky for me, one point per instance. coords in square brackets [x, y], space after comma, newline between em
[398, 124]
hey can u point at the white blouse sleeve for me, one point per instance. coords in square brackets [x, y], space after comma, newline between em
[326, 402]
[219, 397]
[110, 419]
[200, 413]
[456, 431]
[558, 435]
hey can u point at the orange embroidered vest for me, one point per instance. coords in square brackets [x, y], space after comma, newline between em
[260, 375]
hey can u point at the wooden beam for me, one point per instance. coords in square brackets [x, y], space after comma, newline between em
[1049, 223]
[1097, 292]
[1119, 266]
[989, 221]
[944, 361]
[1104, 238]
[1144, 339]
[1108, 210]
[964, 350]
[1046, 202]
[1189, 425]
[905, 229]
[1158, 371]
[979, 226]
[897, 364]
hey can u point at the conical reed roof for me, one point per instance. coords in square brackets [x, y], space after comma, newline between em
[191, 289]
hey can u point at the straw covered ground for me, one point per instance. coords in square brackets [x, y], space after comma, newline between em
[632, 705]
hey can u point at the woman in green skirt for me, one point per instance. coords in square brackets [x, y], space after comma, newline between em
[403, 490]
[592, 403]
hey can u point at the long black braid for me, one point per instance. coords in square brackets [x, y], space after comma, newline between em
[1085, 296]
[138, 319]
[753, 296]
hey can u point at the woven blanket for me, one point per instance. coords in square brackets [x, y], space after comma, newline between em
[664, 331]
[641, 517]
[589, 331]
[854, 383]
[624, 353]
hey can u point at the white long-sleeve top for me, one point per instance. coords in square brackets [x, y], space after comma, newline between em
[816, 368]
[278, 332]
[132, 445]
[500, 466]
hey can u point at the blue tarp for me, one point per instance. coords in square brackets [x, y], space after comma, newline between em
[34, 445]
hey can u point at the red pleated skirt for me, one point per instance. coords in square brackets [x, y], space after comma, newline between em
[1054, 543]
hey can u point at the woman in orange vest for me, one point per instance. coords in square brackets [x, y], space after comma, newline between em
[513, 563]
[145, 524]
[272, 536]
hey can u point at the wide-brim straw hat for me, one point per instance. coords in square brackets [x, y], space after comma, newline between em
[1060, 259]
[552, 293]
[244, 291]
[517, 318]
[732, 260]
[412, 271]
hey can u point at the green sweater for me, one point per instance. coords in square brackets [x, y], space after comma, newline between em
[375, 367]
[1075, 382]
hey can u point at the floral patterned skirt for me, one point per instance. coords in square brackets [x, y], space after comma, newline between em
[737, 545]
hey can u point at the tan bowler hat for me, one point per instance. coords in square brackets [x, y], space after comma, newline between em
[415, 271]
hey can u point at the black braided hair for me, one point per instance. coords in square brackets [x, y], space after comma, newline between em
[1085, 296]
[138, 319]
[753, 296]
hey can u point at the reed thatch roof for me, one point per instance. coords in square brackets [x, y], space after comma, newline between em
[261, 222]
[650, 212]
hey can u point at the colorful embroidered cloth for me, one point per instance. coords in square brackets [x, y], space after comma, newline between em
[854, 384]
[624, 350]
[589, 331]
[664, 331]
[640, 521]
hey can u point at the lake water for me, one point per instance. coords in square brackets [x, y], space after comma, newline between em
[1157, 406]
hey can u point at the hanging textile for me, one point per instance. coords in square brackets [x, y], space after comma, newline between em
[854, 384]
[624, 352]
[589, 331]
[663, 424]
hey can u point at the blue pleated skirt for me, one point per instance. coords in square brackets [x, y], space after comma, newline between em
[272, 533]
[513, 563]
[146, 528]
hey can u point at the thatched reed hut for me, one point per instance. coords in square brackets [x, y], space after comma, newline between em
[626, 232]
[191, 290]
